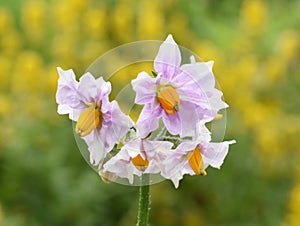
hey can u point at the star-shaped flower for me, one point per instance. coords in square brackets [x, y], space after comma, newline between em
[100, 122]
[193, 157]
[182, 95]
[137, 157]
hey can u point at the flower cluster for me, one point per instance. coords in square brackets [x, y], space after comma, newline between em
[183, 97]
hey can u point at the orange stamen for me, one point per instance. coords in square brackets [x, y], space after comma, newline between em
[89, 119]
[196, 162]
[140, 163]
[169, 99]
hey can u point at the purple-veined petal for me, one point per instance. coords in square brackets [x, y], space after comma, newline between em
[134, 148]
[154, 147]
[193, 94]
[148, 119]
[177, 159]
[93, 90]
[187, 169]
[66, 95]
[104, 89]
[87, 88]
[145, 88]
[215, 153]
[201, 74]
[95, 146]
[184, 122]
[189, 118]
[115, 125]
[176, 165]
[172, 122]
[195, 83]
[168, 58]
[121, 166]
[215, 100]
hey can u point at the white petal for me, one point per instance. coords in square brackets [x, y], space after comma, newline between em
[148, 119]
[168, 58]
[215, 153]
[144, 87]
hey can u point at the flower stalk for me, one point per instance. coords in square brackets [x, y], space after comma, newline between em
[144, 201]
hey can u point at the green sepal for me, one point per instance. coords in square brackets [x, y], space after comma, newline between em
[154, 74]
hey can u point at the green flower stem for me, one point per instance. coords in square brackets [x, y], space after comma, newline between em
[144, 201]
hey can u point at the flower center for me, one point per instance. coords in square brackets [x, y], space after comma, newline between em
[196, 162]
[169, 99]
[89, 119]
[140, 163]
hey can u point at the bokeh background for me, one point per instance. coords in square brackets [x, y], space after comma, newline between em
[44, 180]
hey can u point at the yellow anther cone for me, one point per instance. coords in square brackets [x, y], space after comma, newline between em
[89, 120]
[169, 99]
[196, 162]
[140, 163]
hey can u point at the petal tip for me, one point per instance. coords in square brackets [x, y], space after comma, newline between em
[170, 39]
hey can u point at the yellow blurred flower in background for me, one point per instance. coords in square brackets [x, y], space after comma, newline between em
[254, 14]
[34, 20]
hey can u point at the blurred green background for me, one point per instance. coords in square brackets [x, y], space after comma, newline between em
[44, 180]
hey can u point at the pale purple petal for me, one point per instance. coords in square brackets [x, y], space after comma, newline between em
[187, 169]
[215, 100]
[66, 95]
[87, 88]
[122, 166]
[154, 147]
[172, 122]
[177, 159]
[215, 153]
[115, 125]
[104, 89]
[176, 178]
[168, 58]
[64, 109]
[192, 59]
[188, 117]
[201, 74]
[148, 119]
[203, 135]
[145, 88]
[195, 83]
[184, 122]
[121, 123]
[74, 115]
[193, 93]
[95, 146]
[134, 148]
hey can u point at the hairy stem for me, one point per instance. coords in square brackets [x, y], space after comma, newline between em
[144, 201]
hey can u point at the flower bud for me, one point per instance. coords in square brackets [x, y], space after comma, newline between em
[107, 177]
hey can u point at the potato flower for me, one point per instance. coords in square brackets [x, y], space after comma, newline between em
[137, 157]
[181, 95]
[194, 156]
[100, 122]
